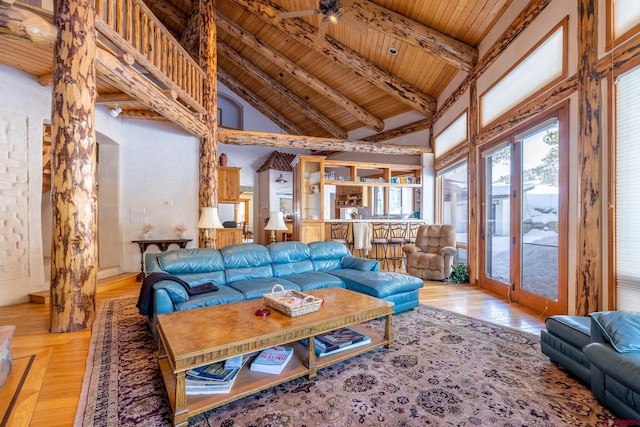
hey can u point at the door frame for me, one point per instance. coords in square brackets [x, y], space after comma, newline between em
[514, 292]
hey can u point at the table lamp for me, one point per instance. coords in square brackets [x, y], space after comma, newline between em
[208, 219]
[276, 223]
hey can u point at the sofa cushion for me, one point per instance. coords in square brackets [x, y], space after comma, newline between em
[621, 329]
[224, 295]
[196, 266]
[364, 264]
[246, 261]
[327, 256]
[316, 280]
[575, 330]
[290, 258]
[378, 284]
[255, 288]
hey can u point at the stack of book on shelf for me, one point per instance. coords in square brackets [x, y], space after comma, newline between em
[272, 360]
[339, 340]
[215, 378]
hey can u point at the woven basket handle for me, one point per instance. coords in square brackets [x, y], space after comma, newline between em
[277, 285]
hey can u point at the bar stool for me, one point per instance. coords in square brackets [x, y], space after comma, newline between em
[380, 240]
[397, 239]
[340, 233]
[413, 231]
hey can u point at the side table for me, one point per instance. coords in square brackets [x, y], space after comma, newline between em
[162, 244]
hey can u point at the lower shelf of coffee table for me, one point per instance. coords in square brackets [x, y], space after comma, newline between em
[249, 382]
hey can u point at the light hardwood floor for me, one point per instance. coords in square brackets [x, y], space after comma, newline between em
[50, 396]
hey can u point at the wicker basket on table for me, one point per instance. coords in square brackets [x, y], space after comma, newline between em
[292, 303]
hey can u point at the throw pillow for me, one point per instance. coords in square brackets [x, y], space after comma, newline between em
[622, 329]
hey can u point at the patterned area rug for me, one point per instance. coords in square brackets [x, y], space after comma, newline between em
[444, 369]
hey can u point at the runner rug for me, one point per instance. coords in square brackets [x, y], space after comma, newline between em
[444, 369]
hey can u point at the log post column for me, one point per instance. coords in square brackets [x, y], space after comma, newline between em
[208, 192]
[589, 245]
[473, 235]
[74, 251]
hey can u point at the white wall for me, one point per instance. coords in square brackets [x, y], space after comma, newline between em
[26, 105]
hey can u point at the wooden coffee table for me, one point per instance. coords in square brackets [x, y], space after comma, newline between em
[202, 336]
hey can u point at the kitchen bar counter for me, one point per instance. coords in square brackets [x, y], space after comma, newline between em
[375, 220]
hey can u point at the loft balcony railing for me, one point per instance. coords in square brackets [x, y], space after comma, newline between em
[133, 28]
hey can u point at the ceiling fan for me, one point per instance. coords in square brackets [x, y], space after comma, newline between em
[332, 15]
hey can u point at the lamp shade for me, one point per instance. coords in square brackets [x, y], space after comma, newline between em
[209, 219]
[276, 222]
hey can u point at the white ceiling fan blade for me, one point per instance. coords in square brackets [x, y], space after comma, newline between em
[297, 13]
[322, 31]
[354, 23]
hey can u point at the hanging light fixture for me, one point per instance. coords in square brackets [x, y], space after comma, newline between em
[281, 179]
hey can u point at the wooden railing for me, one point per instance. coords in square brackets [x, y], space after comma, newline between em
[133, 28]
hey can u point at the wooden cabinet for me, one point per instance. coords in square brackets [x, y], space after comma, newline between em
[351, 197]
[228, 184]
[377, 189]
[227, 236]
[308, 200]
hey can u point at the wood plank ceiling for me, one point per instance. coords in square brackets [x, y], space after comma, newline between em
[322, 87]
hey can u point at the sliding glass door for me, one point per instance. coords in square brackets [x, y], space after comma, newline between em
[523, 252]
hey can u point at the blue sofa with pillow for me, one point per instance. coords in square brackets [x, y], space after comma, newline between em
[248, 271]
[603, 350]
[614, 354]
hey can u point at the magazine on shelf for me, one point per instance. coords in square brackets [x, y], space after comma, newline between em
[213, 372]
[339, 338]
[321, 353]
[209, 383]
[272, 360]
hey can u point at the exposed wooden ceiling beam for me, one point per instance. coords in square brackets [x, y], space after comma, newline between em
[237, 137]
[293, 69]
[174, 18]
[142, 114]
[131, 81]
[21, 24]
[347, 57]
[448, 49]
[259, 104]
[290, 97]
[123, 98]
[407, 129]
[190, 37]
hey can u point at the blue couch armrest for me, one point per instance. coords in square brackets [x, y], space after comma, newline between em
[166, 294]
[161, 303]
[615, 379]
[362, 264]
[151, 264]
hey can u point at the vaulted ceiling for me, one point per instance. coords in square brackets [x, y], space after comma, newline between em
[383, 57]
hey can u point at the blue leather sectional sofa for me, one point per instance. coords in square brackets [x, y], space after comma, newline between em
[603, 350]
[248, 271]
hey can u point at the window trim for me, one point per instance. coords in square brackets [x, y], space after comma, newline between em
[611, 40]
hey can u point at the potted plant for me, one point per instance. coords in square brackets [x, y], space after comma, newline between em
[459, 274]
[181, 230]
[146, 231]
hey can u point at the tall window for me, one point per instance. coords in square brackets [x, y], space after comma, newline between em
[627, 203]
[455, 206]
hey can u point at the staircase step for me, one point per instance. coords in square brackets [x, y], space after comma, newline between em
[117, 281]
[108, 283]
[41, 297]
